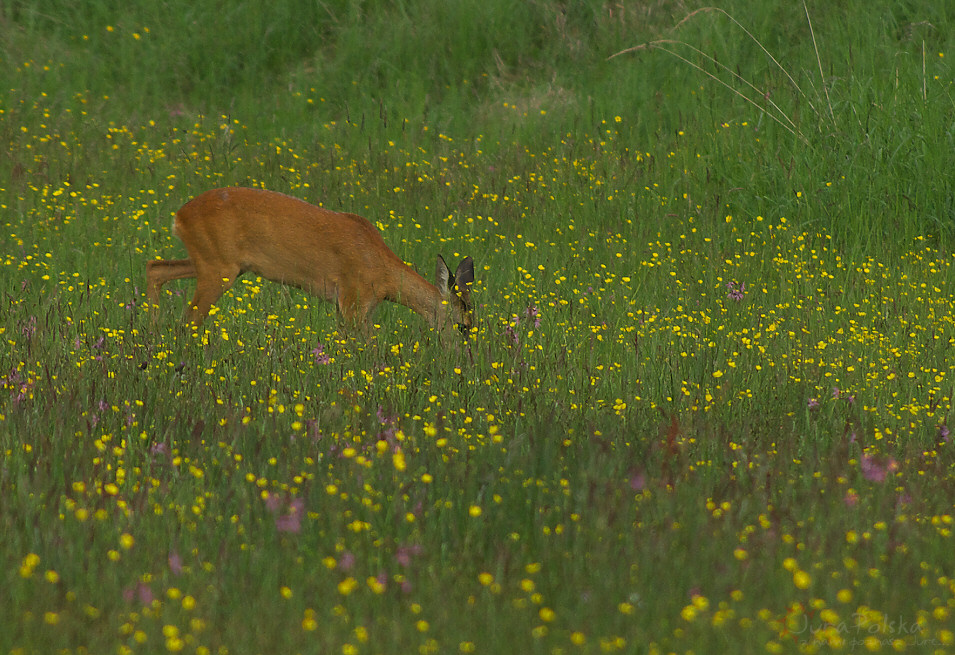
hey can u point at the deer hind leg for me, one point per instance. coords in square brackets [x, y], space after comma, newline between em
[160, 271]
[211, 283]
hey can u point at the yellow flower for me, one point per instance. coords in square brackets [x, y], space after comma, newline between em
[309, 623]
[375, 585]
[29, 563]
[346, 586]
[801, 579]
[398, 459]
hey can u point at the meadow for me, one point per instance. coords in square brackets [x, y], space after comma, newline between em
[705, 404]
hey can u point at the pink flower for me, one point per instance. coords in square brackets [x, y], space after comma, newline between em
[288, 516]
[404, 554]
[175, 562]
[876, 471]
[321, 357]
[638, 480]
[273, 503]
[735, 290]
[346, 561]
[141, 591]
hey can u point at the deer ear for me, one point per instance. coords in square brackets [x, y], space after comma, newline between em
[464, 277]
[442, 277]
[465, 273]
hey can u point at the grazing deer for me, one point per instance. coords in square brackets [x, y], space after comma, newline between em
[339, 257]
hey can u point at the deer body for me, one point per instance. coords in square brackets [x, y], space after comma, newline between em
[337, 256]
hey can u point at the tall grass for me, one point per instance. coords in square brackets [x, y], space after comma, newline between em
[706, 407]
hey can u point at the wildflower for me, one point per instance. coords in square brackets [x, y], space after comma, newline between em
[378, 584]
[398, 459]
[736, 290]
[321, 357]
[141, 591]
[175, 562]
[308, 621]
[812, 404]
[876, 471]
[29, 563]
[387, 423]
[838, 393]
[346, 586]
[638, 480]
[511, 333]
[404, 554]
[346, 561]
[290, 520]
[801, 579]
[28, 329]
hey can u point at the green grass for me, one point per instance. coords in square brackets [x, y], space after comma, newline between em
[706, 407]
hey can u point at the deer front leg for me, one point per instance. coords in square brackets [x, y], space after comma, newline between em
[210, 285]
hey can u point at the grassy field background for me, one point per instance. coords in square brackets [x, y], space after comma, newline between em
[706, 405]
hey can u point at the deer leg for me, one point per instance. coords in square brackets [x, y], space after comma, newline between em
[160, 271]
[353, 310]
[210, 285]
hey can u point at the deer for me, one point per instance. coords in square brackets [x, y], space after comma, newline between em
[339, 257]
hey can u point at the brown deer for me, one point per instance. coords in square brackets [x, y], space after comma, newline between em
[339, 257]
